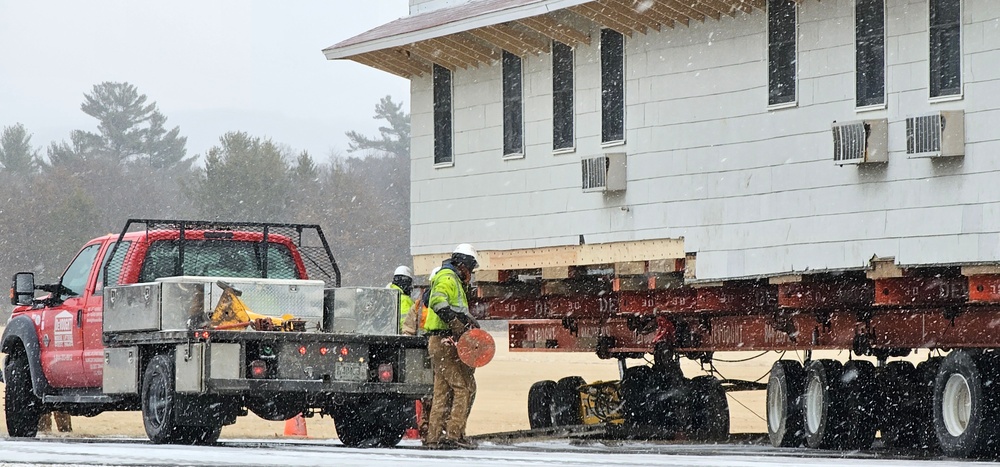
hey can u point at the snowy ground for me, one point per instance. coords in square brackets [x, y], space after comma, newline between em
[543, 453]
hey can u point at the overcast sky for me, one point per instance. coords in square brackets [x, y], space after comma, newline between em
[211, 66]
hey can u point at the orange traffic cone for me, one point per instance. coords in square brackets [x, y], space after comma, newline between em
[413, 432]
[296, 426]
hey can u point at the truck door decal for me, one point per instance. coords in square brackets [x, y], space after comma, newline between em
[62, 329]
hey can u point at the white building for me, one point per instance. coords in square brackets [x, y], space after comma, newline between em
[567, 132]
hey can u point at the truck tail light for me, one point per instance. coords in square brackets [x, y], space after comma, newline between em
[385, 372]
[302, 350]
[323, 351]
[258, 369]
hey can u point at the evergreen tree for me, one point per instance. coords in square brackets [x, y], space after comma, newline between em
[129, 130]
[244, 178]
[16, 154]
[393, 139]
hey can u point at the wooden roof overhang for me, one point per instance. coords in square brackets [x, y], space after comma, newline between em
[475, 33]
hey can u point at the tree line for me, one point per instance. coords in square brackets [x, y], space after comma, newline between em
[135, 166]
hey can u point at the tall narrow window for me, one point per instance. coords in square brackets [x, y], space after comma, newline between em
[869, 34]
[562, 96]
[612, 86]
[946, 47]
[780, 51]
[442, 115]
[513, 106]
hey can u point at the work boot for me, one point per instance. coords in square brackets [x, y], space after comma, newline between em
[465, 443]
[443, 445]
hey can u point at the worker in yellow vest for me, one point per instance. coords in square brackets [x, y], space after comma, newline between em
[414, 322]
[402, 280]
[447, 320]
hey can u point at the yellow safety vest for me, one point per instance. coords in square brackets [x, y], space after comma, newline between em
[446, 291]
[405, 303]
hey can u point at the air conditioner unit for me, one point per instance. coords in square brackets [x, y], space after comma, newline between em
[940, 134]
[604, 173]
[861, 142]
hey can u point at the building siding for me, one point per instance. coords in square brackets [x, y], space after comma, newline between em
[752, 191]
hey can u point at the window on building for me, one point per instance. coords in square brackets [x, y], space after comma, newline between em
[442, 115]
[513, 106]
[612, 86]
[562, 96]
[946, 47]
[781, 51]
[869, 34]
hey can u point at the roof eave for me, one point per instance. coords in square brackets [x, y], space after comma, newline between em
[488, 19]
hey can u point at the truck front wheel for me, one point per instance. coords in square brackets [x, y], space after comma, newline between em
[21, 407]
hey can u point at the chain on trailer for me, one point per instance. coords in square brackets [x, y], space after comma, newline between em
[205, 248]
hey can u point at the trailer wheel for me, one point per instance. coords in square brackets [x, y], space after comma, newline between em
[158, 401]
[823, 415]
[860, 399]
[710, 409]
[635, 395]
[566, 401]
[540, 404]
[962, 410]
[784, 403]
[899, 411]
[21, 407]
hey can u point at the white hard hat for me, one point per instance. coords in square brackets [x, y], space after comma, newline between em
[467, 250]
[404, 271]
[433, 272]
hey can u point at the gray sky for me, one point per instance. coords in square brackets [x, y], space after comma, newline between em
[211, 66]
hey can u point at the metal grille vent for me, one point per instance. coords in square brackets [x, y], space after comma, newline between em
[595, 173]
[923, 133]
[849, 142]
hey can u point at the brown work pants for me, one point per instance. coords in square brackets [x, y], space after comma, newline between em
[454, 390]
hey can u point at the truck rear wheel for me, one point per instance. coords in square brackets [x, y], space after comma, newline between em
[158, 401]
[540, 404]
[21, 407]
[158, 408]
[784, 403]
[378, 423]
[566, 402]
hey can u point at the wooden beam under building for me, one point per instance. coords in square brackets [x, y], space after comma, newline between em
[596, 15]
[552, 28]
[628, 13]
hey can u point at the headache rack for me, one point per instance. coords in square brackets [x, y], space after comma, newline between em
[191, 250]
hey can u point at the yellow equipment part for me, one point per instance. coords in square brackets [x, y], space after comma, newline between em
[232, 313]
[601, 403]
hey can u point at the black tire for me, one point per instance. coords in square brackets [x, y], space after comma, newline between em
[784, 403]
[21, 407]
[861, 398]
[540, 404]
[377, 423]
[927, 371]
[900, 419]
[158, 400]
[963, 410]
[566, 401]
[273, 410]
[158, 416]
[636, 408]
[198, 435]
[709, 410]
[824, 420]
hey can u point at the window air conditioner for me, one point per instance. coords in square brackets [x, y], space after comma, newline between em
[940, 134]
[604, 173]
[860, 142]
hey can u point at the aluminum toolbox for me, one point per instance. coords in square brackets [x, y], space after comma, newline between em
[121, 370]
[185, 302]
[362, 310]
